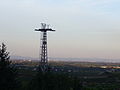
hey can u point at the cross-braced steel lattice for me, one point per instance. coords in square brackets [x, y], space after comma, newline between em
[43, 47]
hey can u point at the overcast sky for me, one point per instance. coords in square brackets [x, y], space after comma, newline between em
[84, 28]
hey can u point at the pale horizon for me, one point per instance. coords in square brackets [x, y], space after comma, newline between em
[84, 28]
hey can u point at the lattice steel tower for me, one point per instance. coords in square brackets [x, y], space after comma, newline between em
[43, 47]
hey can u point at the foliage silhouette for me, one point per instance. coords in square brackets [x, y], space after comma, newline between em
[54, 81]
[8, 72]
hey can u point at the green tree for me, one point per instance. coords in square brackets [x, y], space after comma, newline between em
[7, 71]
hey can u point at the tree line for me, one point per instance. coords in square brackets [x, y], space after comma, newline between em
[9, 77]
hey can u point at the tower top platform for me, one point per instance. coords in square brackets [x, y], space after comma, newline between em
[44, 30]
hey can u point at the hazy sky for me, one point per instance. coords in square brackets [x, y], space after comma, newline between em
[84, 28]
